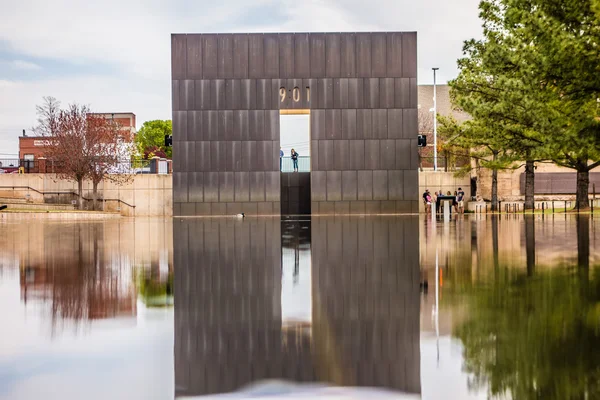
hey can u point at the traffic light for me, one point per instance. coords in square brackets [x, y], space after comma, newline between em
[168, 140]
[421, 140]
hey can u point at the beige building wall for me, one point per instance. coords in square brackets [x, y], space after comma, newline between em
[151, 194]
[446, 181]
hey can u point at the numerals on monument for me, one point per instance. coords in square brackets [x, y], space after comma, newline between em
[294, 93]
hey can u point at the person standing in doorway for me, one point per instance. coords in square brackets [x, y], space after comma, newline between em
[437, 202]
[295, 160]
[281, 159]
[461, 201]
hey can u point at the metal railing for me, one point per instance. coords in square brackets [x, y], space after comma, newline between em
[49, 166]
[287, 164]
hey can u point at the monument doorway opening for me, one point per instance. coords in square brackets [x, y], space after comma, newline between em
[295, 161]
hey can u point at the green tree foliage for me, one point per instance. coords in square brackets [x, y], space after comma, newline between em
[512, 85]
[150, 139]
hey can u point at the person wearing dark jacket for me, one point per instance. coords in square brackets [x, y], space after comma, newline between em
[295, 160]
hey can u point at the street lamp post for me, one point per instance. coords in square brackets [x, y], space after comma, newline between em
[434, 121]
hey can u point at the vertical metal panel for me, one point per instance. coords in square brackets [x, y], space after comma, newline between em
[175, 95]
[379, 55]
[357, 154]
[265, 155]
[271, 58]
[211, 186]
[349, 188]
[271, 125]
[180, 125]
[194, 56]
[272, 186]
[394, 55]
[325, 93]
[348, 55]
[332, 55]
[217, 94]
[301, 55]
[403, 154]
[274, 166]
[225, 125]
[242, 186]
[357, 207]
[380, 185]
[310, 98]
[364, 124]
[340, 96]
[180, 187]
[363, 55]
[394, 123]
[318, 185]
[178, 156]
[334, 186]
[413, 98]
[263, 94]
[195, 187]
[256, 55]
[333, 123]
[286, 55]
[387, 150]
[318, 127]
[414, 154]
[411, 184]
[225, 56]
[355, 93]
[186, 93]
[210, 125]
[365, 185]
[202, 94]
[326, 155]
[226, 186]
[247, 155]
[209, 57]
[380, 124]
[241, 124]
[314, 155]
[317, 55]
[253, 155]
[402, 92]
[247, 94]
[410, 128]
[216, 152]
[409, 55]
[257, 186]
[232, 94]
[178, 56]
[256, 124]
[386, 93]
[340, 149]
[194, 125]
[236, 155]
[203, 156]
[371, 93]
[349, 124]
[218, 209]
[372, 154]
[240, 56]
[227, 147]
[190, 156]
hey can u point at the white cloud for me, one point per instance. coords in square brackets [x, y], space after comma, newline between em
[24, 65]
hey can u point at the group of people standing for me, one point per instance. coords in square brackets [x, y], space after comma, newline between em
[293, 155]
[458, 200]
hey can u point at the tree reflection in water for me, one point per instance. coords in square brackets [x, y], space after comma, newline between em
[535, 334]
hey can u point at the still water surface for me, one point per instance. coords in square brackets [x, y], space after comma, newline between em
[87, 308]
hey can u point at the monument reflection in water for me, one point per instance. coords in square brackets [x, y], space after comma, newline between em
[364, 322]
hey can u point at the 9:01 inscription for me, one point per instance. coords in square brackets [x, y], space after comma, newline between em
[293, 93]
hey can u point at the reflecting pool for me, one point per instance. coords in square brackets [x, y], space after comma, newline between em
[472, 308]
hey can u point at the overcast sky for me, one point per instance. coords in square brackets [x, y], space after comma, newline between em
[115, 55]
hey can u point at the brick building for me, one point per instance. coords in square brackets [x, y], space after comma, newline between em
[32, 147]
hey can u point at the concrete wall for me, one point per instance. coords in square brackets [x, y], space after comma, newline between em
[150, 194]
[228, 90]
[446, 181]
